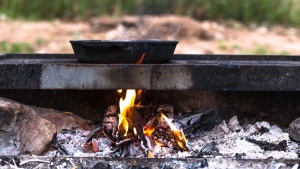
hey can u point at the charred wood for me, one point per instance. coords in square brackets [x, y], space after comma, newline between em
[281, 146]
[209, 149]
[204, 119]
[110, 123]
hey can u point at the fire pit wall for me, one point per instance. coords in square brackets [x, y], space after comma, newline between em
[277, 107]
[253, 88]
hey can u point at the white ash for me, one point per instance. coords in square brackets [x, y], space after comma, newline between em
[234, 124]
[229, 139]
[234, 142]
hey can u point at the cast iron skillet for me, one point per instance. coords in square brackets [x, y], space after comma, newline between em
[131, 51]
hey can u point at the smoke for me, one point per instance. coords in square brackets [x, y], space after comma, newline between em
[145, 27]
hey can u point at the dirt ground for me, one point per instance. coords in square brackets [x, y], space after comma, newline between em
[195, 37]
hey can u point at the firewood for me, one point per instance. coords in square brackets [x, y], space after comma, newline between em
[204, 119]
[110, 123]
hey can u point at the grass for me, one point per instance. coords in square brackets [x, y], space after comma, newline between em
[246, 11]
[22, 47]
[263, 50]
[222, 45]
[40, 42]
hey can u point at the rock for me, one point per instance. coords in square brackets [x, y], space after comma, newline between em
[63, 120]
[22, 130]
[294, 130]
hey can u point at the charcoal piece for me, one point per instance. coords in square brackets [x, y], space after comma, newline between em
[164, 166]
[64, 131]
[57, 145]
[168, 110]
[146, 113]
[138, 167]
[199, 164]
[209, 149]
[263, 130]
[4, 160]
[94, 134]
[102, 165]
[266, 146]
[239, 156]
[204, 119]
[64, 163]
[298, 153]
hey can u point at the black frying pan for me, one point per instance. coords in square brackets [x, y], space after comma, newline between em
[136, 51]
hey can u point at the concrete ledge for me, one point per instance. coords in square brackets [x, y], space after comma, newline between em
[184, 72]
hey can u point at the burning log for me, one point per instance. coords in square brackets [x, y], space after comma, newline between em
[135, 123]
[164, 132]
[125, 128]
[175, 136]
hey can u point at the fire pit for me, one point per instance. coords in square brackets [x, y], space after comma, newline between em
[188, 113]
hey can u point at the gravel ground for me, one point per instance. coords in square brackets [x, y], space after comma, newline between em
[195, 37]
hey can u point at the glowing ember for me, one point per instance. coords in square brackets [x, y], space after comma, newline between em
[141, 59]
[179, 135]
[139, 93]
[159, 143]
[124, 106]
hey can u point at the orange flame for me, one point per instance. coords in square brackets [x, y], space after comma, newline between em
[148, 131]
[140, 61]
[124, 106]
[179, 135]
[159, 143]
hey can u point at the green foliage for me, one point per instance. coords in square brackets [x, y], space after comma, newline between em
[3, 46]
[222, 45]
[247, 11]
[262, 50]
[22, 47]
[39, 41]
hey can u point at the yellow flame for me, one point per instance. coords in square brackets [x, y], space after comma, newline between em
[134, 131]
[119, 91]
[179, 135]
[124, 106]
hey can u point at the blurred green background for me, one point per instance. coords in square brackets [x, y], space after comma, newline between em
[245, 11]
